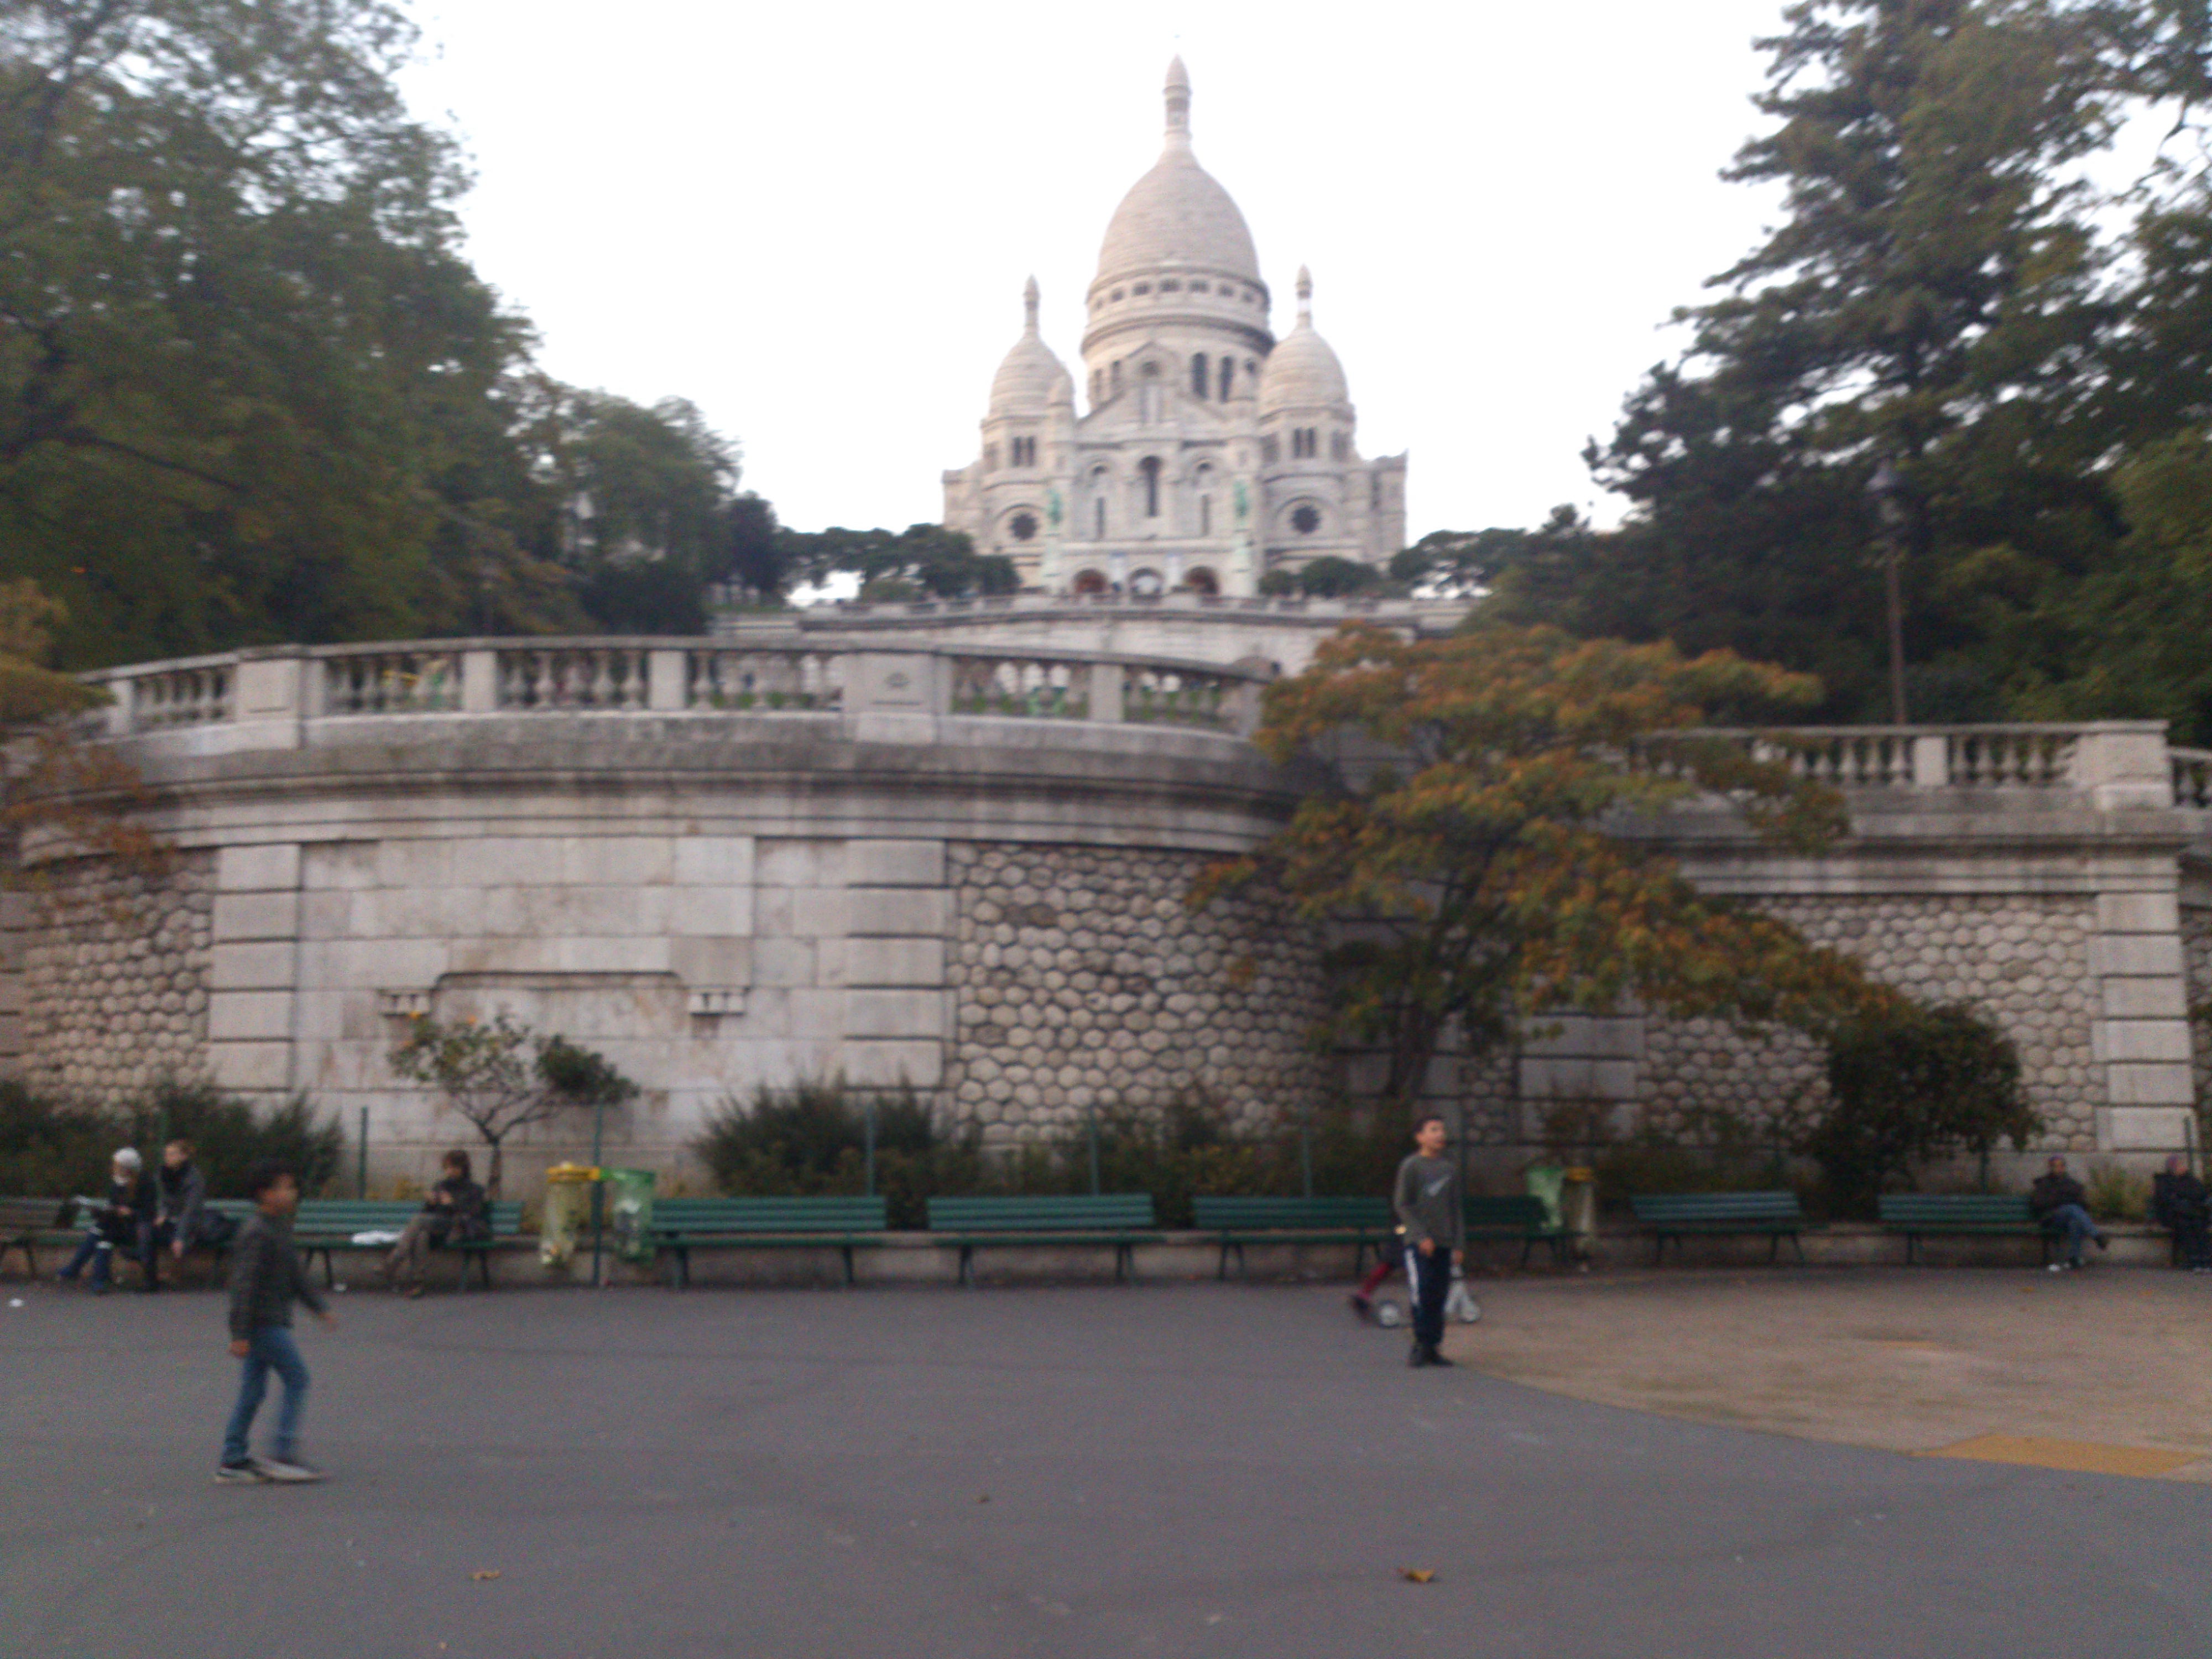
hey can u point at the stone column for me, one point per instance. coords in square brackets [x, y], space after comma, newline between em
[898, 1013]
[2140, 1039]
[15, 918]
[251, 989]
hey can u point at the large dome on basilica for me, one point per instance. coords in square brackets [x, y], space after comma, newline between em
[1177, 214]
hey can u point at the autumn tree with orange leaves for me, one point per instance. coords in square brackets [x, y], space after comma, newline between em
[58, 787]
[1466, 850]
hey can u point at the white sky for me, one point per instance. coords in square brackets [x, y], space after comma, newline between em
[814, 221]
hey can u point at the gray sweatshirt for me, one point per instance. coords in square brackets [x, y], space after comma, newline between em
[266, 1278]
[1426, 1198]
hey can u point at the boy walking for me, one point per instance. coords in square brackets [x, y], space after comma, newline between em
[1426, 1198]
[266, 1279]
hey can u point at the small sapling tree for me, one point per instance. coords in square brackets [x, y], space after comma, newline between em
[501, 1076]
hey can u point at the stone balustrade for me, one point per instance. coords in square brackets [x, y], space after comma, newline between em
[265, 694]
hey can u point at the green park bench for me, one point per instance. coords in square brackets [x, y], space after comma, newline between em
[681, 1225]
[1121, 1220]
[1773, 1215]
[1365, 1224]
[326, 1225]
[27, 1222]
[1514, 1216]
[1961, 1215]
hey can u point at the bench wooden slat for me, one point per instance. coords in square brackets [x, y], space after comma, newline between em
[1122, 1220]
[1236, 1219]
[842, 1222]
[1993, 1215]
[1775, 1214]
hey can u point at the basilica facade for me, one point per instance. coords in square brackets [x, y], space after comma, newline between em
[1206, 452]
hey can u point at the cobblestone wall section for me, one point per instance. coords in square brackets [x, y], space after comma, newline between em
[115, 978]
[2196, 968]
[2024, 960]
[1080, 979]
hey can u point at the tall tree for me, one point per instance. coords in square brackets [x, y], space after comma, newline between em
[249, 388]
[1466, 847]
[1931, 295]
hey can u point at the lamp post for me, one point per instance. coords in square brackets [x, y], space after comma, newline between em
[1887, 490]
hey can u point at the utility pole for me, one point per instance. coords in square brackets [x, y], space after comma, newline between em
[1887, 490]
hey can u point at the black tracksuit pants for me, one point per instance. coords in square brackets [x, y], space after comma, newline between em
[1429, 1277]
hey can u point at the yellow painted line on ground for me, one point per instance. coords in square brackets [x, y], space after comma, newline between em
[2077, 1456]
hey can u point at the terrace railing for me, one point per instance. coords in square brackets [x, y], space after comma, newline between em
[798, 676]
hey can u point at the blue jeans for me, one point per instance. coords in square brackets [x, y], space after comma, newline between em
[2071, 1223]
[99, 1247]
[272, 1349]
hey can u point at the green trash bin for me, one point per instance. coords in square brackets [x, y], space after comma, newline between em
[629, 1213]
[1545, 1180]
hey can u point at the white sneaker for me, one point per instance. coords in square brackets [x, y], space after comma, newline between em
[277, 1469]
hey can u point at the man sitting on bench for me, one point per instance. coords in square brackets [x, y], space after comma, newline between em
[2059, 1201]
[454, 1212]
[2180, 1204]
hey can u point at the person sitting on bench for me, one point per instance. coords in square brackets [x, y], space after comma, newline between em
[181, 1217]
[454, 1212]
[124, 1221]
[2180, 1203]
[2059, 1201]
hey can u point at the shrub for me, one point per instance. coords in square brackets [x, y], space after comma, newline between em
[229, 1137]
[810, 1138]
[1911, 1084]
[2116, 1195]
[49, 1148]
[48, 1151]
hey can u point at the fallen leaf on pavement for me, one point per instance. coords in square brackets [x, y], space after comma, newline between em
[1417, 1575]
[483, 1573]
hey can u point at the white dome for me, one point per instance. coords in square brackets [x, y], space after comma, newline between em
[1302, 372]
[1031, 378]
[1177, 214]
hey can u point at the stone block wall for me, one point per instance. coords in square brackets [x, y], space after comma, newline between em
[1080, 978]
[115, 977]
[2024, 960]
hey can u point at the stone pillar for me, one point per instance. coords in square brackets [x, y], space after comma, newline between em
[898, 1013]
[2140, 1039]
[15, 919]
[252, 987]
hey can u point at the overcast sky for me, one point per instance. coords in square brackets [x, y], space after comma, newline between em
[814, 221]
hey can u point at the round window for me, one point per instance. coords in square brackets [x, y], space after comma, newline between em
[1305, 520]
[1023, 526]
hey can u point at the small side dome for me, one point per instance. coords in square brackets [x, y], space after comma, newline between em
[1028, 380]
[1302, 372]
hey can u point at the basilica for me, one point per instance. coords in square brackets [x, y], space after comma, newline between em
[1207, 453]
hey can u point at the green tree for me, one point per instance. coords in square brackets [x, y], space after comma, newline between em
[923, 561]
[1466, 845]
[1933, 294]
[1909, 1085]
[501, 1076]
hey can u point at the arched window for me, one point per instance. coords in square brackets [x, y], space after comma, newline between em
[1097, 382]
[1202, 580]
[1090, 582]
[1206, 515]
[1116, 377]
[1228, 369]
[1147, 585]
[1098, 520]
[1150, 466]
[1198, 377]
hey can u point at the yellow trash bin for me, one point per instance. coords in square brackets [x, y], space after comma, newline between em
[567, 1211]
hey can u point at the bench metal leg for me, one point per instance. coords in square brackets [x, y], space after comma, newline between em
[968, 1266]
[849, 1267]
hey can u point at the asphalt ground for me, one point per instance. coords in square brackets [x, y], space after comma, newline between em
[1160, 1469]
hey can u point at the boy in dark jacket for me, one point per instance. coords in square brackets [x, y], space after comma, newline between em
[125, 1222]
[266, 1279]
